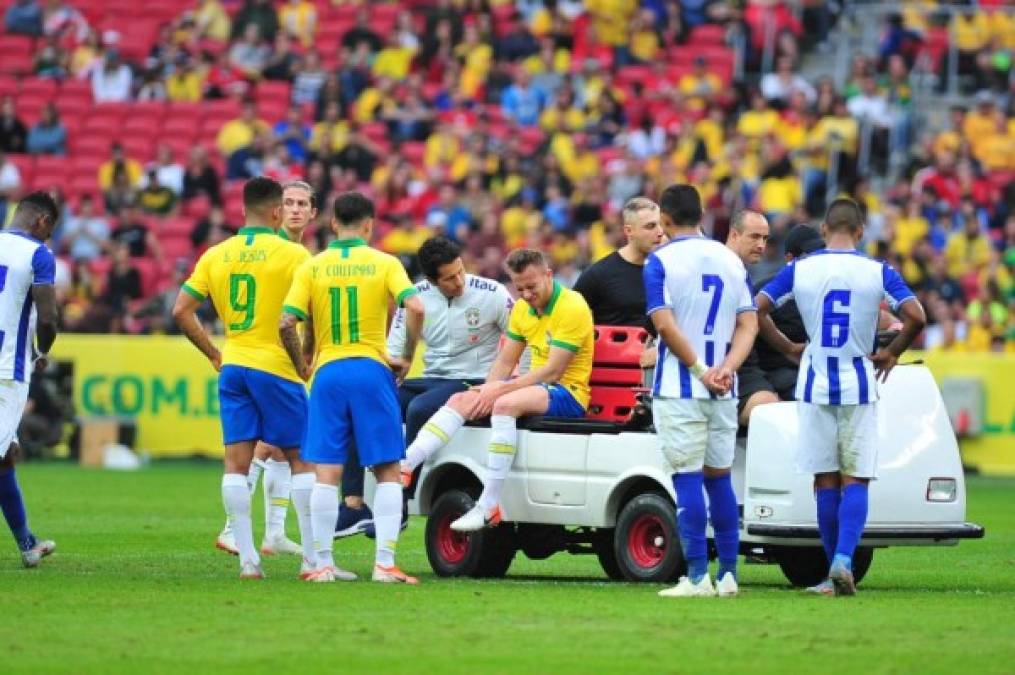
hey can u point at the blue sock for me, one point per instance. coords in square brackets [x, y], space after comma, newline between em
[828, 518]
[14, 510]
[722, 508]
[691, 521]
[852, 517]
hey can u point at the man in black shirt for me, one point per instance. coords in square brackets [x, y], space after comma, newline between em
[767, 376]
[613, 286]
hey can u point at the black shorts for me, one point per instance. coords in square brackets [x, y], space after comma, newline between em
[751, 380]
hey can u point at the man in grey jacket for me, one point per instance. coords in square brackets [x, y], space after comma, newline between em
[465, 318]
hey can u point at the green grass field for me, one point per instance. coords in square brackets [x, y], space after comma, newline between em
[136, 586]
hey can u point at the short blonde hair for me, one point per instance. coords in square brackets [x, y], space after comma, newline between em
[636, 205]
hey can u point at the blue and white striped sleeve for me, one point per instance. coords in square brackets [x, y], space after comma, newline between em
[654, 276]
[780, 289]
[43, 267]
[896, 290]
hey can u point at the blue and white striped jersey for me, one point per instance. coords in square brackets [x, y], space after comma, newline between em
[705, 285]
[839, 296]
[24, 261]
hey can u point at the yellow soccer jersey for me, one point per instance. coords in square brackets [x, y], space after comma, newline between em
[566, 323]
[247, 277]
[345, 290]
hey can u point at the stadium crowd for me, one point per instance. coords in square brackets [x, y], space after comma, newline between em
[500, 124]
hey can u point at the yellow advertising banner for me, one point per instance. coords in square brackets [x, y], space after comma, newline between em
[168, 388]
[993, 450]
[161, 382]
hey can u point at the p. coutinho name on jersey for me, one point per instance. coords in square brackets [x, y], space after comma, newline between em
[349, 270]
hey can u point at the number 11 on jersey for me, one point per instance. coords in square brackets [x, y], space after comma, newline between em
[352, 301]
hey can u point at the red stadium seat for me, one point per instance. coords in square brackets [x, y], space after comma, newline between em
[197, 207]
[81, 185]
[77, 108]
[616, 377]
[8, 85]
[180, 226]
[16, 63]
[271, 90]
[174, 248]
[707, 34]
[141, 148]
[148, 126]
[45, 87]
[76, 88]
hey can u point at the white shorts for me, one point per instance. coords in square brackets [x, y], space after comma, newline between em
[13, 396]
[838, 438]
[696, 432]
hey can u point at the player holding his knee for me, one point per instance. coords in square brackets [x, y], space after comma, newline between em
[556, 324]
[345, 292]
[839, 293]
[261, 393]
[27, 315]
[298, 210]
[700, 301]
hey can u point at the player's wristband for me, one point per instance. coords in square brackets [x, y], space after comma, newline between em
[699, 368]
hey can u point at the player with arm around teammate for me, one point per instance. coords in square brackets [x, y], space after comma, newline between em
[28, 325]
[556, 324]
[345, 291]
[700, 302]
[839, 293]
[261, 393]
[298, 210]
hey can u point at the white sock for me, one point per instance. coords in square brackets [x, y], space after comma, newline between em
[257, 467]
[323, 515]
[236, 499]
[277, 482]
[387, 521]
[434, 435]
[302, 487]
[503, 444]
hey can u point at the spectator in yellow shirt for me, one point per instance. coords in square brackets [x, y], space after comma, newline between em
[644, 38]
[910, 228]
[240, 132]
[212, 21]
[442, 146]
[611, 19]
[118, 163]
[996, 150]
[331, 134]
[298, 18]
[700, 86]
[979, 122]
[394, 60]
[759, 121]
[967, 251]
[185, 83]
[563, 115]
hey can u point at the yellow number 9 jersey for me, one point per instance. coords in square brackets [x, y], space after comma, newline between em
[247, 277]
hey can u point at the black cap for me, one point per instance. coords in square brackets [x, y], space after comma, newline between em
[802, 240]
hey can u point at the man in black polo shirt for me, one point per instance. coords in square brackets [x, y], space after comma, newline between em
[613, 286]
[767, 376]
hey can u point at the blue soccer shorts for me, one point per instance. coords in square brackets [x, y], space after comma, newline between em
[354, 399]
[258, 406]
[562, 403]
